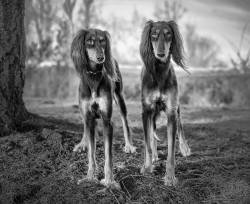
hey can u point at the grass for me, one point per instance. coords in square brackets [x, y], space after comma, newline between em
[38, 166]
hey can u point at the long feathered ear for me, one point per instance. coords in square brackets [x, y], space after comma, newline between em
[78, 51]
[109, 63]
[146, 48]
[176, 48]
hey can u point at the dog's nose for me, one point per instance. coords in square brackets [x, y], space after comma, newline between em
[100, 59]
[161, 55]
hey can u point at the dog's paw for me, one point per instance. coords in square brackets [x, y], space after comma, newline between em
[155, 158]
[129, 148]
[170, 180]
[91, 178]
[80, 147]
[147, 169]
[110, 183]
[184, 148]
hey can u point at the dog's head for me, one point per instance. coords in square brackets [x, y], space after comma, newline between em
[160, 40]
[92, 46]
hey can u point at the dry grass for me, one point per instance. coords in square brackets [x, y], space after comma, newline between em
[38, 166]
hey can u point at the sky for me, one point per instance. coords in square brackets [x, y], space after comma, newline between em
[223, 20]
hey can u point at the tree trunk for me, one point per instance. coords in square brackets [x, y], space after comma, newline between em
[12, 64]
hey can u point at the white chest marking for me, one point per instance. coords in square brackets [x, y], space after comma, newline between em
[153, 96]
[101, 101]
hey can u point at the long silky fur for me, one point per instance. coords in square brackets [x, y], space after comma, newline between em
[78, 52]
[109, 63]
[80, 58]
[176, 48]
[146, 48]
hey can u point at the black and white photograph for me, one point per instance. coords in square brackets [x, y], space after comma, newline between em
[124, 101]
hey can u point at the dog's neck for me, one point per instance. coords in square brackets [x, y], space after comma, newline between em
[94, 68]
[94, 75]
[161, 70]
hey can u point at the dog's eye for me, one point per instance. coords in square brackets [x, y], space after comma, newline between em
[102, 41]
[168, 35]
[154, 36]
[90, 42]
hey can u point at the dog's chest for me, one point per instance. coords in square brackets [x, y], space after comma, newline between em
[95, 104]
[156, 100]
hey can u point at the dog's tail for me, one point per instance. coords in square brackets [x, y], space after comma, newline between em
[183, 145]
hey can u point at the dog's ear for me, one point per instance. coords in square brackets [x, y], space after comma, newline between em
[176, 47]
[78, 51]
[146, 49]
[109, 63]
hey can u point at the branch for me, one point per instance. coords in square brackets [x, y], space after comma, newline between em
[68, 7]
[242, 35]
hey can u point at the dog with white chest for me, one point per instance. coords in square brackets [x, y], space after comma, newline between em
[160, 42]
[100, 82]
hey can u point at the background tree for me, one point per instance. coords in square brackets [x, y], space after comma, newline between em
[68, 7]
[201, 51]
[12, 64]
[242, 62]
[169, 10]
[89, 14]
[39, 19]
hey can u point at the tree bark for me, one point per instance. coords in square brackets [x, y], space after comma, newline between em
[12, 64]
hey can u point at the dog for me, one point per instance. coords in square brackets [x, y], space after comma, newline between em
[160, 42]
[100, 82]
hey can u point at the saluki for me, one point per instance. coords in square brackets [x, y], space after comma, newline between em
[100, 82]
[160, 42]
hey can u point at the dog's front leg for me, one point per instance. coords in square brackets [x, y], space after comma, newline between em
[108, 173]
[90, 133]
[153, 141]
[148, 132]
[89, 129]
[170, 179]
[89, 125]
[82, 145]
[129, 148]
[183, 145]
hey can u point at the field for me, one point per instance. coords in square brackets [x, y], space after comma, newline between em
[37, 165]
[201, 88]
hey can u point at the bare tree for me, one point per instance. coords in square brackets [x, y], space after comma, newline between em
[68, 7]
[202, 51]
[12, 64]
[170, 10]
[90, 14]
[42, 14]
[86, 13]
[87, 5]
[242, 63]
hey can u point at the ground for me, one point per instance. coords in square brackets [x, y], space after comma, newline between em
[37, 165]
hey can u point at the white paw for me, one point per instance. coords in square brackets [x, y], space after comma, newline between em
[147, 169]
[110, 184]
[155, 158]
[170, 180]
[81, 147]
[88, 179]
[129, 148]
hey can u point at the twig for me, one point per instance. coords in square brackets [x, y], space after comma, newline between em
[126, 189]
[114, 196]
[242, 35]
